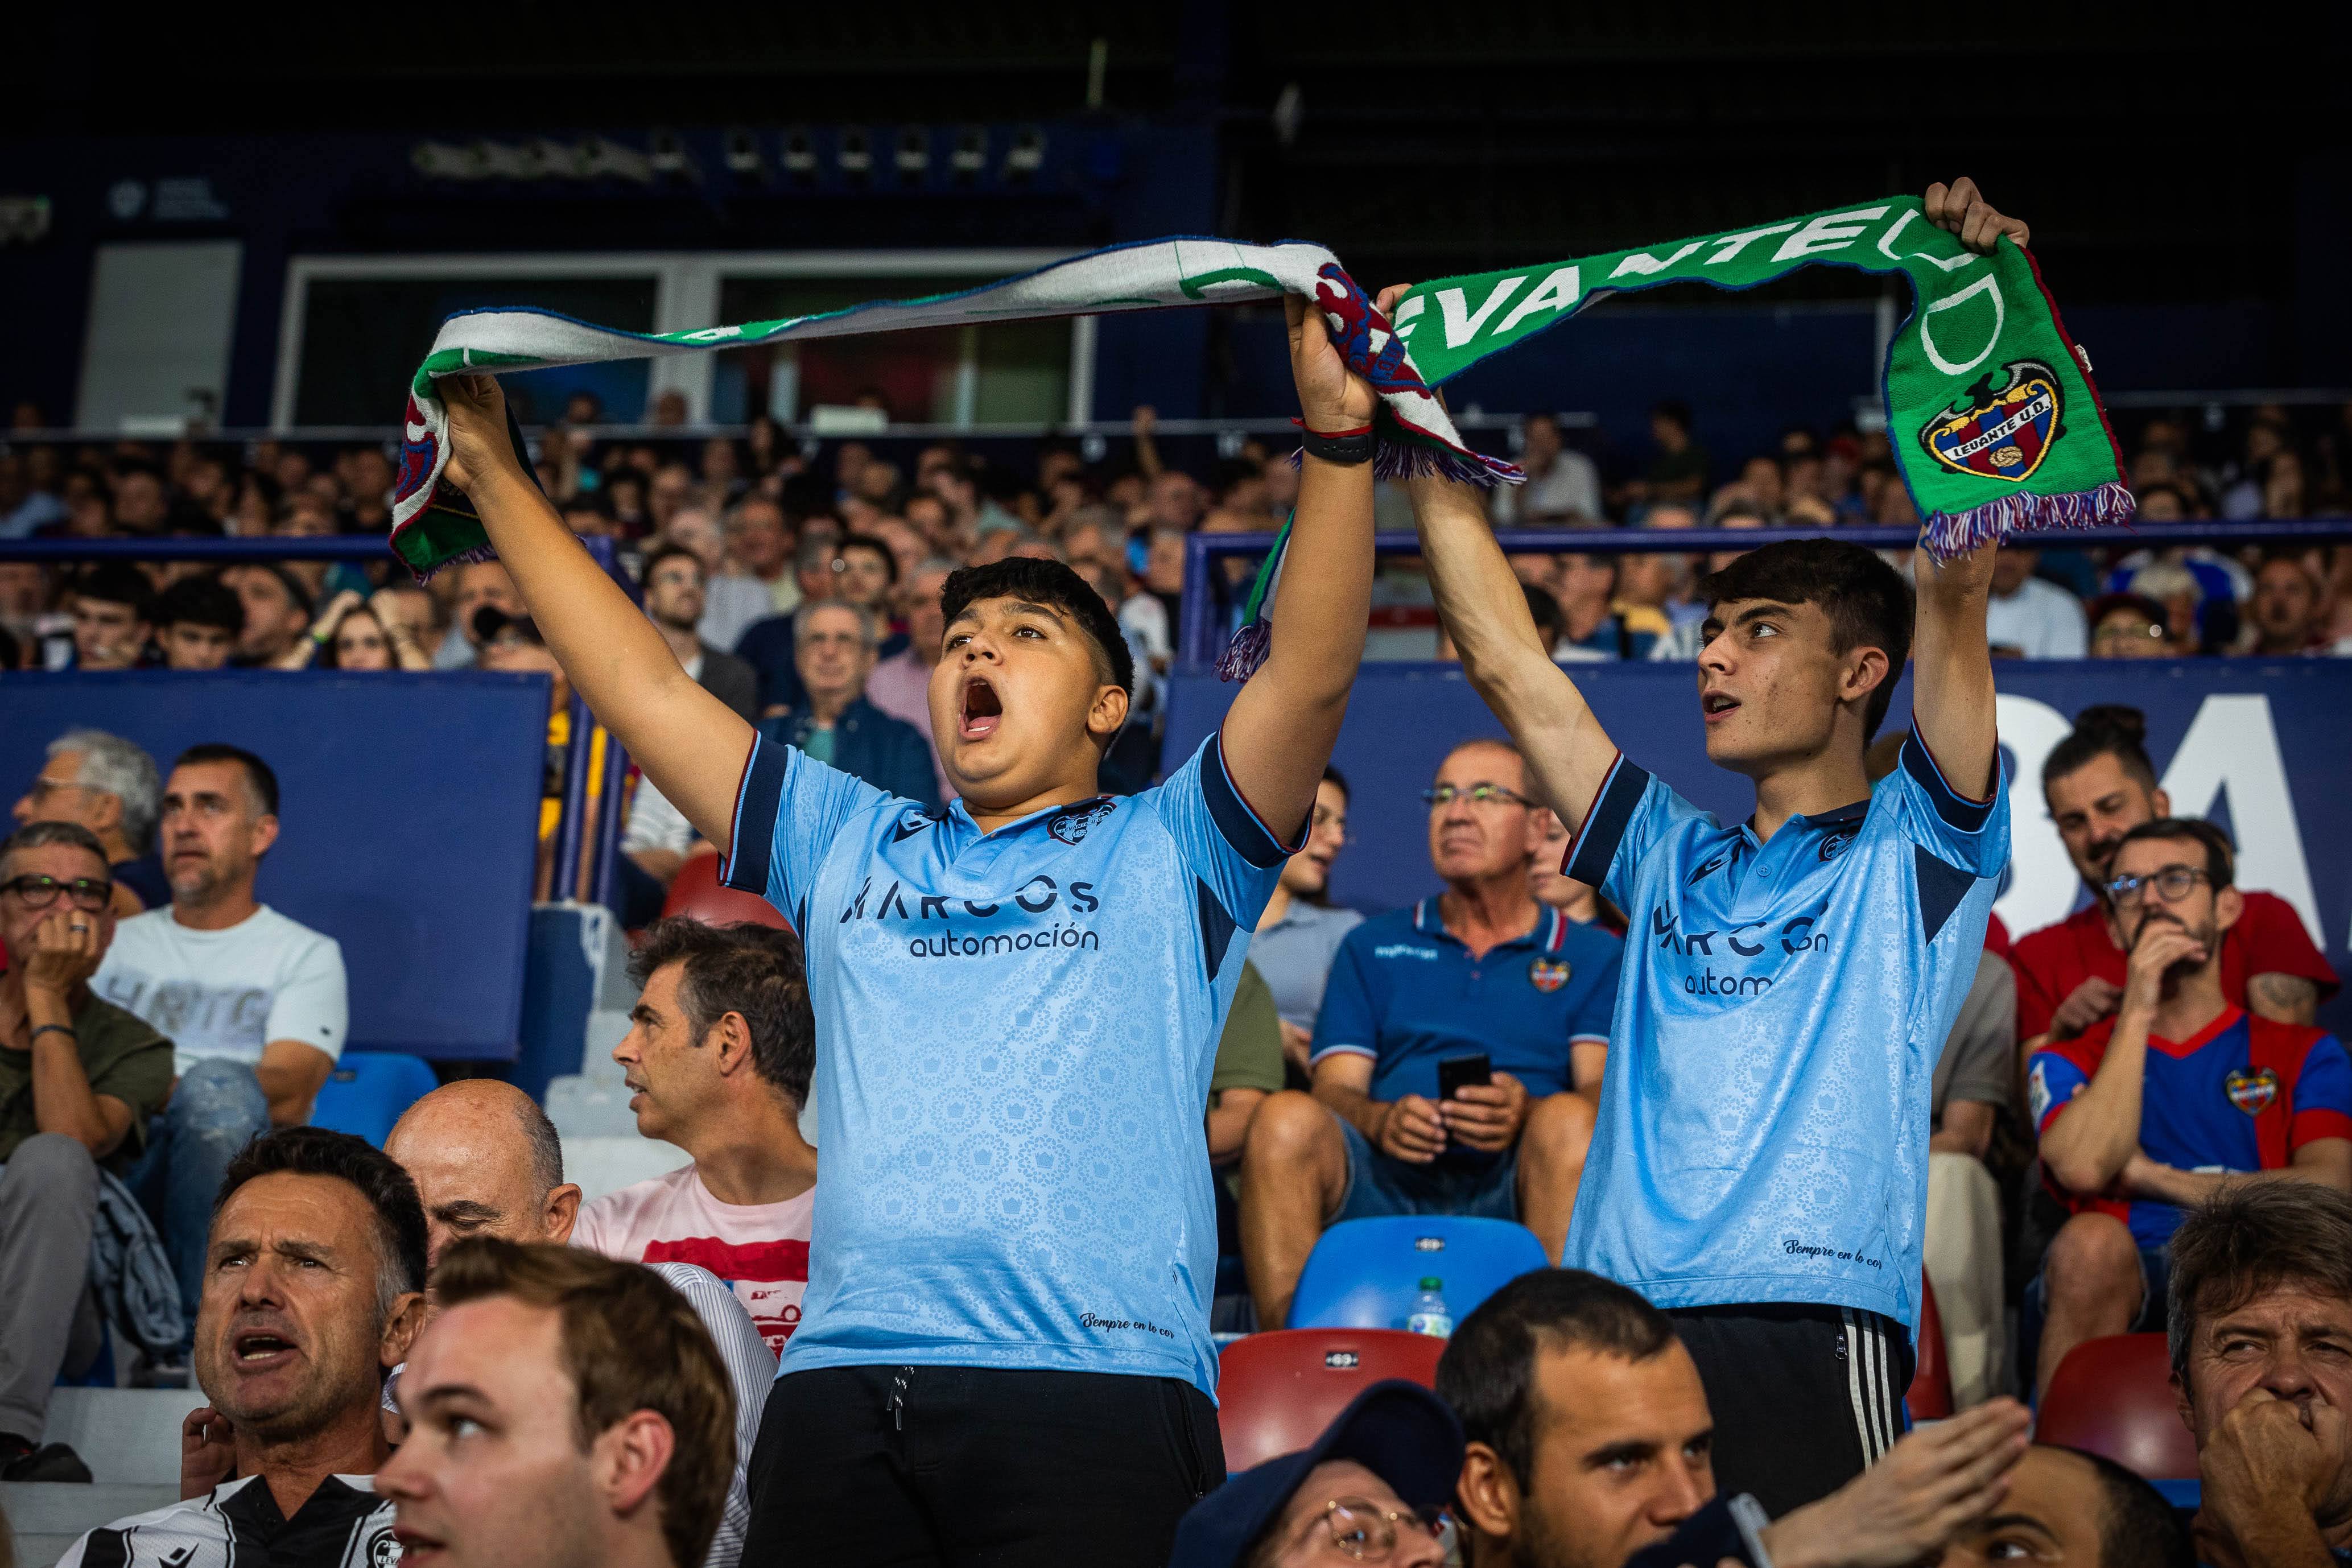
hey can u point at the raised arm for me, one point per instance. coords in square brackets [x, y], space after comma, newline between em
[1278, 734]
[1485, 612]
[1951, 678]
[691, 745]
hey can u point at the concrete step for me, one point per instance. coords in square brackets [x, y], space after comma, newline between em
[127, 1436]
[606, 1164]
[48, 1517]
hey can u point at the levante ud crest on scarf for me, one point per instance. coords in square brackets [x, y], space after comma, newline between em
[1998, 432]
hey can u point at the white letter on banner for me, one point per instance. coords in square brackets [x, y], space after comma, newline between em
[1558, 291]
[1642, 264]
[2042, 880]
[2232, 745]
[1408, 313]
[1461, 329]
[1886, 247]
[1999, 317]
[1829, 231]
[1733, 244]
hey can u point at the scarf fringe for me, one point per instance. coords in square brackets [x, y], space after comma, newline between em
[1404, 458]
[1950, 534]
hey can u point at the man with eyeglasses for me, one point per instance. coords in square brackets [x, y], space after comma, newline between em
[79, 1079]
[2175, 1098]
[1481, 976]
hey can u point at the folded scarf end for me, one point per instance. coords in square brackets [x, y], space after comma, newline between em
[1951, 534]
[1247, 652]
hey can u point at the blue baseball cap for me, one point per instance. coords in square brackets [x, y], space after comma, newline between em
[1397, 1430]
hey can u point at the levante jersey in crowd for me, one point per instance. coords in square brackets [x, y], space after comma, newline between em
[2243, 1094]
[1015, 1036]
[1763, 1129]
[344, 1524]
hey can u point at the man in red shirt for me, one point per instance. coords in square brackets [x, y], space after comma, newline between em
[2100, 786]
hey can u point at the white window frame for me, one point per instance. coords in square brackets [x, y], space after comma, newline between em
[686, 297]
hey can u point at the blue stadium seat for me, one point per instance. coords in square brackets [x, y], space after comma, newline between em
[1365, 1273]
[368, 1090]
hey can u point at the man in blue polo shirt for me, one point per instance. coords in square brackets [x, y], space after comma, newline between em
[1760, 1167]
[1481, 969]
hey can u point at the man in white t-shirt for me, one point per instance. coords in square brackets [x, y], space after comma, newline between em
[719, 1061]
[1562, 484]
[255, 1004]
[2029, 617]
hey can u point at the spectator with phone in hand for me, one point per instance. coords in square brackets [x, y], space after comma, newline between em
[1458, 1054]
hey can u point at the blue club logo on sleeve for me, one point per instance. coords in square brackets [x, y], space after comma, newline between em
[2251, 1092]
[1548, 975]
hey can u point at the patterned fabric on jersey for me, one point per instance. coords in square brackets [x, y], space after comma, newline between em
[2243, 1094]
[1016, 1032]
[1763, 1129]
[236, 1525]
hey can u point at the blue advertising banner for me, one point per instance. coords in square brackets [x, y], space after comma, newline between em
[2262, 747]
[408, 821]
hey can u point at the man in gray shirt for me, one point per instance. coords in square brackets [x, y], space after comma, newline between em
[1974, 1079]
[1299, 933]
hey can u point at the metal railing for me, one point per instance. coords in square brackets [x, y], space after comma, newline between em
[1208, 602]
[578, 842]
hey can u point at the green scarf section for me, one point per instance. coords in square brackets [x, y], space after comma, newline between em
[1990, 409]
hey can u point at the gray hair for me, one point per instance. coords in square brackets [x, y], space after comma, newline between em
[2163, 579]
[48, 835]
[870, 630]
[546, 1148]
[112, 765]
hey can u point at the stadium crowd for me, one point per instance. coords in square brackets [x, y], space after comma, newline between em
[437, 1350]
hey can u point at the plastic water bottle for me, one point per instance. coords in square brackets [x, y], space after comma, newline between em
[1429, 1311]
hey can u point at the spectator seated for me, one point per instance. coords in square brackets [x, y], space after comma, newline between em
[367, 1092]
[1367, 1273]
[2178, 1097]
[1458, 1054]
[111, 786]
[836, 644]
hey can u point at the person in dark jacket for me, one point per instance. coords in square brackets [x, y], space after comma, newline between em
[836, 644]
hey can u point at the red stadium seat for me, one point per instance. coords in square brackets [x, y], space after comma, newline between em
[1930, 1399]
[2113, 1396]
[1277, 1391]
[697, 893]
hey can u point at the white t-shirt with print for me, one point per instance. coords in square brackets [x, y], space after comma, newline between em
[228, 992]
[760, 1250]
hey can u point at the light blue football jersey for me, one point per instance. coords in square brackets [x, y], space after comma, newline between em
[1015, 1034]
[1763, 1129]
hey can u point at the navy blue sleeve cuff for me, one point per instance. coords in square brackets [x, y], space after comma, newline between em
[1958, 810]
[1251, 838]
[758, 799]
[1595, 845]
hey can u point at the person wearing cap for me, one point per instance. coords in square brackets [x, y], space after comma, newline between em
[1369, 1489]
[278, 610]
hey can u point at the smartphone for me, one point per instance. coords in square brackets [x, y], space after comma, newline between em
[1456, 1073]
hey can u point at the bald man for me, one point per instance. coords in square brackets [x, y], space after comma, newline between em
[487, 1161]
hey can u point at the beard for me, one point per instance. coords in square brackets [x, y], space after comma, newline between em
[1543, 1543]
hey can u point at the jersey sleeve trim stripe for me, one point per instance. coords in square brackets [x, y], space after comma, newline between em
[1595, 844]
[1364, 1051]
[1235, 818]
[1588, 1039]
[2320, 1122]
[1962, 811]
[757, 800]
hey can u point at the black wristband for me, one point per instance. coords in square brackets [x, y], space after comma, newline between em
[1347, 447]
[40, 1029]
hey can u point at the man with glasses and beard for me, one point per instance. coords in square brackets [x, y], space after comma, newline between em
[2178, 1096]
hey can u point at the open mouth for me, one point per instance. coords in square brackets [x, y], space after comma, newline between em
[256, 1350]
[1714, 705]
[415, 1546]
[984, 709]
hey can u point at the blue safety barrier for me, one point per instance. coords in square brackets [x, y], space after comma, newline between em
[1366, 1273]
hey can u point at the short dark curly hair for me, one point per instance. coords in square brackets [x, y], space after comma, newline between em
[1054, 586]
[316, 1151]
[754, 970]
[1867, 601]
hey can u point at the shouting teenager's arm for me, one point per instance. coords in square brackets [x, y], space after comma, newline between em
[1278, 734]
[1952, 695]
[691, 745]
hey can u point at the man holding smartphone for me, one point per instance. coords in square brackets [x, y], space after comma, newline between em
[1457, 1057]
